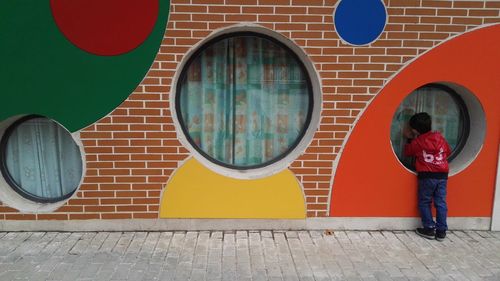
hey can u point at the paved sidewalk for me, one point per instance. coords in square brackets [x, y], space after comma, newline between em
[248, 255]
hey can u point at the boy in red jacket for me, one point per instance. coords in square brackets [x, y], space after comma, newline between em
[431, 152]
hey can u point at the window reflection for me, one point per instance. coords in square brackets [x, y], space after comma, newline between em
[40, 160]
[245, 101]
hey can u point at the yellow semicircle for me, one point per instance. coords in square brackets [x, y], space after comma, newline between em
[194, 191]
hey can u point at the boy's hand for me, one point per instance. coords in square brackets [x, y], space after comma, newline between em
[408, 132]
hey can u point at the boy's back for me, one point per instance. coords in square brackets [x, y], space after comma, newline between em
[431, 151]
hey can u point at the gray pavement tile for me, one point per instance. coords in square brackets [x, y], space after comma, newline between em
[161, 249]
[249, 255]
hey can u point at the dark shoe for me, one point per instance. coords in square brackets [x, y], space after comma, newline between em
[440, 235]
[428, 233]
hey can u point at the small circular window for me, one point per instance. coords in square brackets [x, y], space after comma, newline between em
[40, 160]
[244, 101]
[449, 116]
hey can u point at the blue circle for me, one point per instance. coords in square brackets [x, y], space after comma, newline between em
[360, 22]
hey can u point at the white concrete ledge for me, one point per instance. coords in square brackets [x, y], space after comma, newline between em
[368, 223]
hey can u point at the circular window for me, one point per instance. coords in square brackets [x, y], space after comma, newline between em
[40, 160]
[244, 101]
[449, 116]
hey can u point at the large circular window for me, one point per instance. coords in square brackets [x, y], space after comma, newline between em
[40, 160]
[447, 110]
[244, 101]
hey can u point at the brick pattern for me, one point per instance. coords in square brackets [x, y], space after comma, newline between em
[132, 152]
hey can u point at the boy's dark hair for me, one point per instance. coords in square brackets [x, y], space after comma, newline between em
[421, 122]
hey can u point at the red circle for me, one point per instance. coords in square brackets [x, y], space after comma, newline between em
[105, 27]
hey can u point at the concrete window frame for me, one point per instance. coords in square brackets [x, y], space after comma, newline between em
[14, 199]
[475, 119]
[308, 135]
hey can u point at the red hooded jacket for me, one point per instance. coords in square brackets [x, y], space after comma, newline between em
[431, 151]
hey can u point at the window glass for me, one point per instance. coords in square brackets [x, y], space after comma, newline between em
[40, 160]
[448, 117]
[244, 101]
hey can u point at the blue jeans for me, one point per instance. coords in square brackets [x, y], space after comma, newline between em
[433, 190]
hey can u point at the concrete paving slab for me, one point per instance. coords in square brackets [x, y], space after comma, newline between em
[249, 255]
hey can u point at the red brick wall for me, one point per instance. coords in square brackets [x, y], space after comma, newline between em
[132, 152]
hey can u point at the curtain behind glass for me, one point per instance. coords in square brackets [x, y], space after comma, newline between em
[43, 159]
[440, 105]
[244, 101]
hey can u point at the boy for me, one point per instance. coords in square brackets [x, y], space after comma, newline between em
[431, 152]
